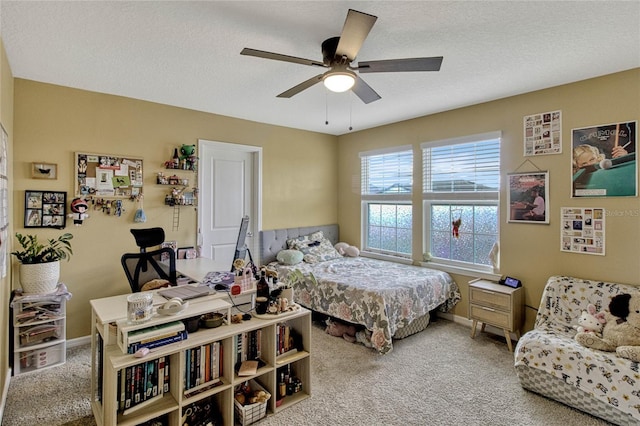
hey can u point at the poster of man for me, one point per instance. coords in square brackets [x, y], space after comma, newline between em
[529, 197]
[604, 160]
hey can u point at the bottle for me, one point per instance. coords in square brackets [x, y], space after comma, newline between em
[282, 387]
[176, 159]
[262, 288]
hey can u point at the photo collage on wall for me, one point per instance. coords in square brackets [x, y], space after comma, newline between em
[543, 133]
[583, 230]
[45, 209]
[108, 176]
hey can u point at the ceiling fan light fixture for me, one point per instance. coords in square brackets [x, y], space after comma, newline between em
[339, 81]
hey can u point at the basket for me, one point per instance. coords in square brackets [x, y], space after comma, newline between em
[245, 281]
[39, 278]
[251, 413]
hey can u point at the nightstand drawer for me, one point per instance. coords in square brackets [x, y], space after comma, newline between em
[491, 316]
[490, 298]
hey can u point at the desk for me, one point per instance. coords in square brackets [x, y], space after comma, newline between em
[198, 268]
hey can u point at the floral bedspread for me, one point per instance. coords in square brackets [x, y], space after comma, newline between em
[382, 296]
[551, 347]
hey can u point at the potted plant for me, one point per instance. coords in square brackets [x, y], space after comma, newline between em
[40, 263]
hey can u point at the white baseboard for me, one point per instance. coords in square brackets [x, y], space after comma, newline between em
[78, 341]
[5, 391]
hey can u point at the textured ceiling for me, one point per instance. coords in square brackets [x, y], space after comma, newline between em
[187, 54]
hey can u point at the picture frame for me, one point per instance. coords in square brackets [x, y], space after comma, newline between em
[164, 257]
[603, 160]
[528, 197]
[42, 170]
[187, 253]
[45, 209]
[582, 230]
[108, 175]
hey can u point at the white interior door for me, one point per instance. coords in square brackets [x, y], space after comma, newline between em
[229, 188]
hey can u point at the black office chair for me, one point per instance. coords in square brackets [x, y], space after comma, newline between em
[148, 270]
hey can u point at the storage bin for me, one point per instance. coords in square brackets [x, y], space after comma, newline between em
[250, 413]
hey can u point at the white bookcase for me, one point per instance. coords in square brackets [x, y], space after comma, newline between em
[39, 332]
[110, 365]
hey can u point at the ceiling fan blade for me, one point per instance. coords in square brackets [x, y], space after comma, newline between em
[279, 57]
[355, 30]
[300, 87]
[401, 65]
[364, 91]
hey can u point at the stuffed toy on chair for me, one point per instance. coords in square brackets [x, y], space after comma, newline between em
[591, 322]
[621, 333]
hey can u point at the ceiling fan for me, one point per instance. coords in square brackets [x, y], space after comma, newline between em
[338, 53]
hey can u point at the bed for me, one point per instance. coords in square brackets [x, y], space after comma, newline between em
[389, 299]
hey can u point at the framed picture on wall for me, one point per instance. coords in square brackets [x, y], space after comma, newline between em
[528, 197]
[603, 160]
[44, 170]
[45, 209]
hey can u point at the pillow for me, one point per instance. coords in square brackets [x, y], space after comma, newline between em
[352, 251]
[347, 250]
[315, 247]
[305, 239]
[289, 257]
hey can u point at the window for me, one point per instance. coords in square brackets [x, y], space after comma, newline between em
[461, 186]
[387, 213]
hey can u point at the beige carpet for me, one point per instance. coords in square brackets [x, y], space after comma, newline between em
[437, 377]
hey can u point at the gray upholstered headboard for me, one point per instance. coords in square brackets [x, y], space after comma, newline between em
[271, 242]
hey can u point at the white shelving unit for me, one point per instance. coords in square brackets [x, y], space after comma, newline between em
[39, 332]
[110, 364]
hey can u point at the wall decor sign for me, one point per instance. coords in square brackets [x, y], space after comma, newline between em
[528, 197]
[543, 133]
[582, 230]
[603, 160]
[45, 209]
[40, 170]
[108, 175]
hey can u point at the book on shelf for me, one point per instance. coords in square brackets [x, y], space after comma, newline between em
[154, 332]
[202, 387]
[285, 356]
[141, 384]
[248, 368]
[248, 345]
[202, 365]
[177, 337]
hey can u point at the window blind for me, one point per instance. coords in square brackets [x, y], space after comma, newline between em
[388, 173]
[462, 167]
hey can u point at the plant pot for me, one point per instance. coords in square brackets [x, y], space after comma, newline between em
[40, 278]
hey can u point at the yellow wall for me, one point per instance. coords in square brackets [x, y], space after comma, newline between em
[6, 118]
[53, 122]
[530, 252]
[308, 175]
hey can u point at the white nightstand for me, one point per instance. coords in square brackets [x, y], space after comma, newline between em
[497, 305]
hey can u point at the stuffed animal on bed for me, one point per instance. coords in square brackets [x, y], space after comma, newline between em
[621, 333]
[346, 250]
[591, 321]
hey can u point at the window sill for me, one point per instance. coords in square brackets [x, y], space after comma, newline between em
[462, 271]
[386, 257]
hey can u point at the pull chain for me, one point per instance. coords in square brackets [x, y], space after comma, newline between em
[350, 111]
[326, 108]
